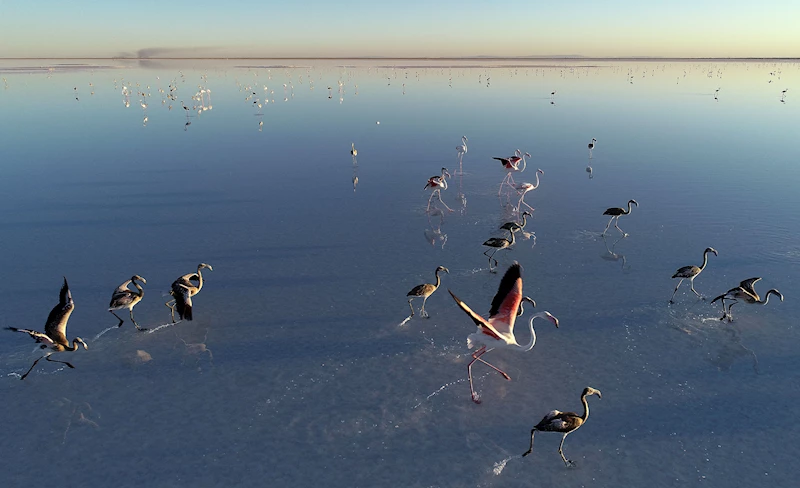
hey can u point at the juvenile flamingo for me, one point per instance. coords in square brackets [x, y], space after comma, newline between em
[183, 290]
[747, 293]
[425, 290]
[125, 298]
[498, 331]
[616, 213]
[691, 272]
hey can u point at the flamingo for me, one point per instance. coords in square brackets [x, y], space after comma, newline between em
[353, 150]
[616, 213]
[498, 243]
[437, 184]
[514, 225]
[498, 330]
[425, 290]
[55, 330]
[125, 298]
[512, 165]
[591, 147]
[183, 290]
[524, 188]
[566, 422]
[460, 152]
[746, 292]
[691, 272]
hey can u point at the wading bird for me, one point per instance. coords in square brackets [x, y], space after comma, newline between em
[564, 422]
[524, 188]
[497, 243]
[591, 147]
[512, 165]
[746, 292]
[425, 290]
[498, 330]
[353, 150]
[437, 184]
[55, 330]
[514, 225]
[691, 272]
[183, 290]
[616, 213]
[125, 298]
[460, 152]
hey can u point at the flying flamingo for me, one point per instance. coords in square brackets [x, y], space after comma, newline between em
[55, 330]
[746, 292]
[692, 272]
[437, 184]
[460, 152]
[498, 330]
[616, 213]
[524, 188]
[566, 422]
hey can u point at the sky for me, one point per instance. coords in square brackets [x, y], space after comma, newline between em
[409, 28]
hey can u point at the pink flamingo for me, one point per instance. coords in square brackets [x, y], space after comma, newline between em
[498, 331]
[437, 184]
[524, 188]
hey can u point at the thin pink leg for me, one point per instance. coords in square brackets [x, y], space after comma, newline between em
[475, 356]
[440, 201]
[495, 368]
[429, 200]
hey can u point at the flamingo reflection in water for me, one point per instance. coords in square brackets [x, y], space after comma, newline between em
[433, 234]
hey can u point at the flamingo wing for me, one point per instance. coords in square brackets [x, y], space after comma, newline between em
[749, 283]
[481, 322]
[506, 302]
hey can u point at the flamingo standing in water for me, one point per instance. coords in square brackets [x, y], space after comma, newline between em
[498, 331]
[125, 298]
[437, 184]
[524, 188]
[425, 290]
[512, 165]
[591, 147]
[461, 151]
[55, 330]
[692, 272]
[746, 292]
[565, 422]
[616, 213]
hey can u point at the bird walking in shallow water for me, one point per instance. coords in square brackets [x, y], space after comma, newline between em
[616, 213]
[497, 243]
[747, 293]
[424, 291]
[564, 422]
[437, 184]
[516, 226]
[183, 290]
[125, 298]
[55, 330]
[691, 273]
[460, 152]
[591, 147]
[498, 331]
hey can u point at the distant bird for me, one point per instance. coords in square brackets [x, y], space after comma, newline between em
[516, 226]
[55, 330]
[125, 298]
[616, 213]
[437, 184]
[496, 244]
[691, 272]
[591, 147]
[564, 422]
[746, 292]
[425, 290]
[183, 290]
[512, 165]
[553, 94]
[461, 151]
[498, 331]
[353, 150]
[783, 94]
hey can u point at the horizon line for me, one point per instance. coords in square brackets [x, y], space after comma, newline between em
[467, 58]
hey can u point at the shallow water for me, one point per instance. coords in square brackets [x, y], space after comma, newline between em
[306, 373]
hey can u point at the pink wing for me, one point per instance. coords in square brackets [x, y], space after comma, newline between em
[481, 322]
[506, 302]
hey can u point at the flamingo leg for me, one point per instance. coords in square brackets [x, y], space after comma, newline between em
[500, 190]
[117, 316]
[57, 361]
[691, 282]
[607, 226]
[410, 306]
[730, 315]
[567, 462]
[442, 202]
[31, 368]
[495, 368]
[134, 322]
[171, 309]
[616, 224]
[429, 200]
[490, 258]
[676, 291]
[530, 449]
[422, 312]
[475, 356]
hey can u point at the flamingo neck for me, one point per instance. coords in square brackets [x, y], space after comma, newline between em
[705, 261]
[138, 287]
[629, 209]
[529, 345]
[199, 279]
[585, 408]
[524, 164]
[524, 220]
[438, 280]
[771, 292]
[511, 241]
[537, 182]
[74, 346]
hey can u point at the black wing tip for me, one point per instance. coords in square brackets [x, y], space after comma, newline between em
[507, 283]
[12, 329]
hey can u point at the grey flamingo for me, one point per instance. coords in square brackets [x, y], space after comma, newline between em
[183, 290]
[691, 273]
[616, 213]
[747, 293]
[424, 291]
[125, 298]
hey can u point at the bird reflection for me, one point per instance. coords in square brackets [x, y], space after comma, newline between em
[354, 153]
[731, 350]
[590, 170]
[433, 234]
[611, 255]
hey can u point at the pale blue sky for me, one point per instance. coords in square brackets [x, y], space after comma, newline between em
[680, 28]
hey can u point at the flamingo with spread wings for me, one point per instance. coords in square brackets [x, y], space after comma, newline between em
[498, 331]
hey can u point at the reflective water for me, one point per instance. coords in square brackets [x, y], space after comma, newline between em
[296, 370]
